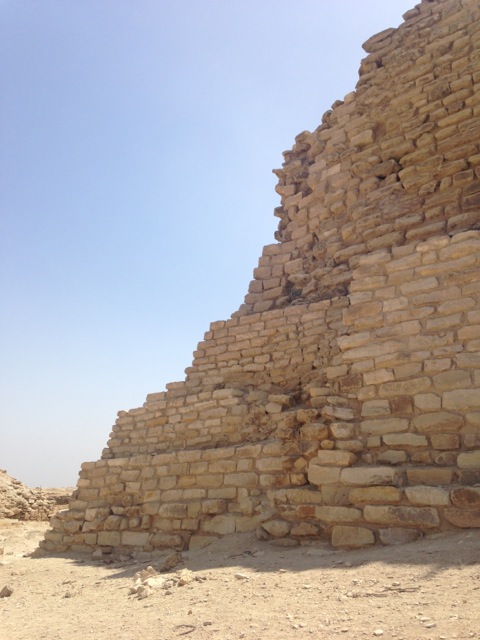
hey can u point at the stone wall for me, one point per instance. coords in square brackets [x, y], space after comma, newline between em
[342, 400]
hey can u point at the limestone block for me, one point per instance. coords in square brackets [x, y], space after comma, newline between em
[378, 376]
[167, 541]
[427, 495]
[392, 456]
[134, 538]
[241, 479]
[109, 538]
[337, 514]
[427, 401]
[461, 399]
[277, 528]
[454, 379]
[384, 426]
[323, 475]
[464, 518]
[469, 460]
[372, 408]
[304, 529]
[316, 431]
[213, 507]
[405, 440]
[350, 445]
[334, 458]
[370, 476]
[466, 497]
[351, 537]
[430, 476]
[397, 535]
[223, 525]
[438, 422]
[404, 387]
[445, 441]
[425, 517]
[342, 430]
[375, 495]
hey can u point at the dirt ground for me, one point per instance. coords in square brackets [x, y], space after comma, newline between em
[242, 588]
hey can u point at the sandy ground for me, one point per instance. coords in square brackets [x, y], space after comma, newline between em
[243, 588]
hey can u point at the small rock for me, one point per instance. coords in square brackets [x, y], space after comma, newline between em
[207, 623]
[6, 592]
[378, 632]
[185, 577]
[171, 561]
[241, 576]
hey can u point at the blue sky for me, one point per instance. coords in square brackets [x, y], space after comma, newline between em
[137, 139]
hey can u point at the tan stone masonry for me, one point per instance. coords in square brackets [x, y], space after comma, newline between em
[342, 400]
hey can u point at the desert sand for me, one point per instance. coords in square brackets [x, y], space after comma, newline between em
[240, 587]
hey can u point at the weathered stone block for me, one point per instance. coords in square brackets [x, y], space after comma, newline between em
[405, 440]
[223, 525]
[369, 475]
[277, 528]
[425, 517]
[464, 518]
[109, 538]
[392, 456]
[466, 497]
[351, 537]
[430, 476]
[397, 535]
[469, 460]
[384, 426]
[438, 422]
[427, 495]
[334, 458]
[323, 475]
[461, 400]
[134, 538]
[337, 514]
[375, 495]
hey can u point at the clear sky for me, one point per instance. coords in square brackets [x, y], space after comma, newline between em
[136, 148]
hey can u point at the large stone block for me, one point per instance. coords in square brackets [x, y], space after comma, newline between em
[464, 518]
[370, 476]
[427, 495]
[397, 535]
[466, 497]
[438, 422]
[469, 460]
[375, 495]
[461, 400]
[351, 537]
[323, 475]
[384, 425]
[334, 458]
[109, 538]
[134, 538]
[337, 514]
[430, 476]
[223, 525]
[396, 516]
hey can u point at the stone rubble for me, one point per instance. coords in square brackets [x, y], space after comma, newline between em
[342, 400]
[23, 503]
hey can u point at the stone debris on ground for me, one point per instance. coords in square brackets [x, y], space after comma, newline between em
[148, 580]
